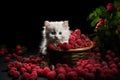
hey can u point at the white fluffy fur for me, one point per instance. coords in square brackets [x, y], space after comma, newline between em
[54, 32]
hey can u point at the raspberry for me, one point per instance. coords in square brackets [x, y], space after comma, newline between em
[26, 76]
[51, 46]
[113, 65]
[11, 72]
[33, 75]
[108, 51]
[68, 69]
[113, 54]
[60, 45]
[61, 70]
[18, 47]
[14, 55]
[97, 65]
[72, 75]
[13, 68]
[17, 64]
[99, 24]
[83, 36]
[109, 6]
[9, 55]
[51, 75]
[23, 70]
[58, 65]
[7, 59]
[33, 66]
[90, 76]
[61, 76]
[67, 46]
[10, 65]
[40, 71]
[2, 53]
[114, 71]
[27, 67]
[76, 46]
[89, 66]
[77, 31]
[16, 74]
[19, 52]
[46, 70]
[116, 59]
[78, 69]
[79, 41]
[71, 43]
[104, 63]
[72, 38]
[65, 65]
[98, 54]
[104, 67]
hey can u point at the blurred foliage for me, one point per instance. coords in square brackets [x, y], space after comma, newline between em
[106, 20]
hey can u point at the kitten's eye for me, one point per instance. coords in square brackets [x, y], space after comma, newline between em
[60, 33]
[53, 32]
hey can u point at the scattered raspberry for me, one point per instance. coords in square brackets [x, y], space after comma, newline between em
[61, 76]
[116, 59]
[16, 74]
[23, 70]
[26, 76]
[72, 75]
[33, 75]
[18, 47]
[19, 52]
[46, 70]
[51, 75]
[7, 59]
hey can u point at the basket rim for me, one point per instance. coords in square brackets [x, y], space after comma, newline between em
[77, 49]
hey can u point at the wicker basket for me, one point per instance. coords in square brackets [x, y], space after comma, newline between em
[68, 56]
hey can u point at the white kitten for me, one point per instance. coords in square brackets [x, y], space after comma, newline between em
[54, 32]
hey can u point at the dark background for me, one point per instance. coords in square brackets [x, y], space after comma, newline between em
[22, 22]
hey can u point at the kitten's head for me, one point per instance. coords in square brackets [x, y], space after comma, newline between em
[57, 30]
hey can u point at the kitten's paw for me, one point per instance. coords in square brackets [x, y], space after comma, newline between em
[43, 51]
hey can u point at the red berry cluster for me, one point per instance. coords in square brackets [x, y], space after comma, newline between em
[96, 71]
[112, 59]
[15, 53]
[76, 40]
[27, 67]
[93, 68]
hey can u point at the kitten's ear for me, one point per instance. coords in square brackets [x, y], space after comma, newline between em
[46, 24]
[65, 24]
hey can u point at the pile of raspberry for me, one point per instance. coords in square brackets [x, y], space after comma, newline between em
[76, 40]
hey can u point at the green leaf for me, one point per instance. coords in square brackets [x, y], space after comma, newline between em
[94, 22]
[116, 3]
[118, 14]
[98, 10]
[91, 16]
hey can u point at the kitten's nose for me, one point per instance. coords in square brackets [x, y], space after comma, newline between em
[56, 37]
